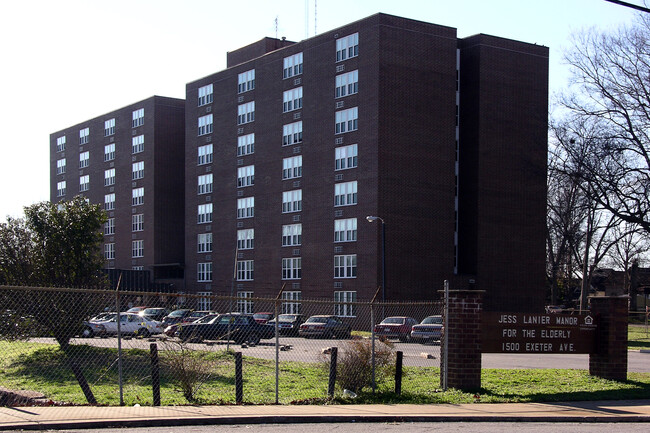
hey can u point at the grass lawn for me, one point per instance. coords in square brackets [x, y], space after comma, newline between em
[42, 367]
[638, 337]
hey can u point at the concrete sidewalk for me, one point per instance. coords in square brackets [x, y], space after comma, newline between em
[38, 418]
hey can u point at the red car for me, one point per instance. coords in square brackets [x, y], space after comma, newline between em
[396, 327]
[262, 317]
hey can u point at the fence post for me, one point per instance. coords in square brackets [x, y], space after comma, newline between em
[332, 381]
[372, 336]
[398, 372]
[155, 374]
[445, 339]
[277, 351]
[239, 379]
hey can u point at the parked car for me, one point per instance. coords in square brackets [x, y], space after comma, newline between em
[430, 329]
[172, 329]
[176, 316]
[325, 327]
[396, 327]
[133, 324]
[91, 329]
[262, 317]
[136, 309]
[288, 324]
[236, 327]
[155, 313]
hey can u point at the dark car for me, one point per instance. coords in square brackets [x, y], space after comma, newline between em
[153, 313]
[396, 327]
[236, 327]
[325, 327]
[430, 329]
[288, 324]
[176, 316]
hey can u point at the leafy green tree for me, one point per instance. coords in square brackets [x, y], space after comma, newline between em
[57, 245]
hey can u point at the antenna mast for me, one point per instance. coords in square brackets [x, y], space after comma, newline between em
[315, 18]
[276, 27]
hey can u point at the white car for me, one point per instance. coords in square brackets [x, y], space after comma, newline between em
[133, 324]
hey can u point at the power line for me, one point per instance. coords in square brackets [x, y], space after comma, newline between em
[629, 5]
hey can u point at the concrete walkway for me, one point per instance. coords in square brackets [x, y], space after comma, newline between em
[38, 418]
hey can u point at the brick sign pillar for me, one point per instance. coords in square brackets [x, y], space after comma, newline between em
[610, 358]
[464, 339]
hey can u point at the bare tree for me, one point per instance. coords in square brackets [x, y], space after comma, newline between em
[610, 95]
[632, 245]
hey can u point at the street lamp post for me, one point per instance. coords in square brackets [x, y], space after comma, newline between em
[371, 219]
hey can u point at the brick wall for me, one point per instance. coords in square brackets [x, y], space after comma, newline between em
[464, 339]
[610, 359]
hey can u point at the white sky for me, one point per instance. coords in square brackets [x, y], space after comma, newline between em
[67, 61]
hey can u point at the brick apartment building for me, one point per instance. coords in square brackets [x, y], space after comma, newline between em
[289, 149]
[130, 161]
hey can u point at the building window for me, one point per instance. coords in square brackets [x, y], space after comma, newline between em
[345, 230]
[205, 154]
[292, 167]
[84, 135]
[109, 127]
[84, 183]
[292, 100]
[244, 302]
[246, 113]
[109, 177]
[60, 144]
[205, 125]
[60, 188]
[292, 268]
[109, 201]
[204, 272]
[291, 235]
[109, 152]
[345, 194]
[204, 213]
[347, 120]
[246, 176]
[137, 248]
[204, 303]
[84, 159]
[246, 81]
[137, 144]
[246, 207]
[205, 184]
[291, 302]
[109, 226]
[137, 196]
[347, 84]
[205, 95]
[60, 166]
[292, 65]
[246, 239]
[137, 222]
[345, 266]
[137, 170]
[204, 243]
[245, 270]
[345, 310]
[345, 157]
[292, 201]
[292, 133]
[245, 144]
[109, 251]
[138, 118]
[347, 47]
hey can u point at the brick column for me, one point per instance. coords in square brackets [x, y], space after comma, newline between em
[464, 339]
[610, 359]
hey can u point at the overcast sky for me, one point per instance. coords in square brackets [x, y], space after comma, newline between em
[67, 61]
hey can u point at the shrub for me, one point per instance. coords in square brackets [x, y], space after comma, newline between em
[354, 364]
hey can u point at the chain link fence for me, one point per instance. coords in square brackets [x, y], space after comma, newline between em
[71, 346]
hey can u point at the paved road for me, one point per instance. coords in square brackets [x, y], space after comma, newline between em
[415, 354]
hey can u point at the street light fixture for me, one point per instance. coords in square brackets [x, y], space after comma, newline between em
[371, 219]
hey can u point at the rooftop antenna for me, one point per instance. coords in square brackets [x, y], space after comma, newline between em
[315, 18]
[276, 27]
